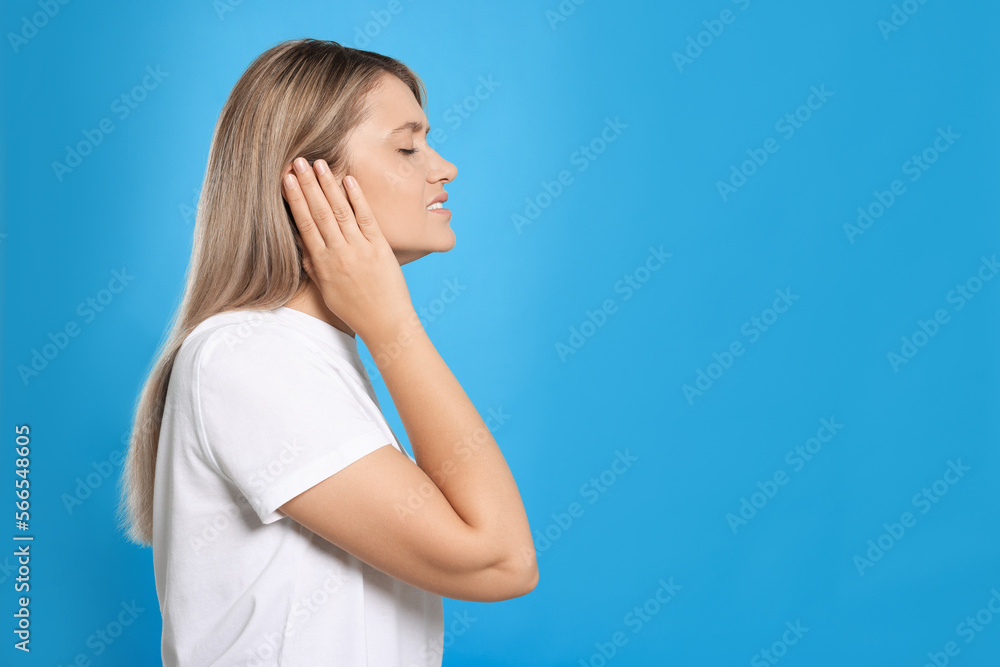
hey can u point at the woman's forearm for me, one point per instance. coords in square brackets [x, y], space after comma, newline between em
[451, 442]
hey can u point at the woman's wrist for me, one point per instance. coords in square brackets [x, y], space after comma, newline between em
[389, 338]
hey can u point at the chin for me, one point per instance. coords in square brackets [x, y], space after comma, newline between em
[448, 243]
[443, 244]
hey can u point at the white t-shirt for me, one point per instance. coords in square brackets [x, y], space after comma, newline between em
[261, 406]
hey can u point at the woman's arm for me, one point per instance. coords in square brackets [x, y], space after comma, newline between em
[454, 523]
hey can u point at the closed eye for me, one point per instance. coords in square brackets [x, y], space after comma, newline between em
[407, 151]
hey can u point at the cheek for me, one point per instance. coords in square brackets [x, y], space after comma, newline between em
[398, 220]
[397, 200]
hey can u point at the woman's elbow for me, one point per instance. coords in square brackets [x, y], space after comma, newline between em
[531, 579]
[520, 573]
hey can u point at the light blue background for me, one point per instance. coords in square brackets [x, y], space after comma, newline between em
[129, 203]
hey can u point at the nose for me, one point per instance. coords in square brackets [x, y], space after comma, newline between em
[443, 170]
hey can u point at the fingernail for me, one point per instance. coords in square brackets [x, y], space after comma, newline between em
[349, 181]
[289, 181]
[320, 166]
[300, 165]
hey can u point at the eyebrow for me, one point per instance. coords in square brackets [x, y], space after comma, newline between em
[413, 126]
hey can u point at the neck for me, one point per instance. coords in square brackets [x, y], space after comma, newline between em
[309, 300]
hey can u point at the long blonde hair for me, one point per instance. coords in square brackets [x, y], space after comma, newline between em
[299, 98]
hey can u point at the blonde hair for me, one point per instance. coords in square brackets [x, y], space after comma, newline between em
[299, 98]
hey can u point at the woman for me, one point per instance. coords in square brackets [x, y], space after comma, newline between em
[288, 526]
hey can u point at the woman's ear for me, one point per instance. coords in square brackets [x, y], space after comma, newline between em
[303, 254]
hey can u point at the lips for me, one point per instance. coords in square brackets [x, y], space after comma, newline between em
[439, 199]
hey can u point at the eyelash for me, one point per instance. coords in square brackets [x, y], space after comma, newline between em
[407, 151]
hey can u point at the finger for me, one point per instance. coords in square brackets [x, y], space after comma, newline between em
[363, 212]
[319, 207]
[337, 200]
[312, 238]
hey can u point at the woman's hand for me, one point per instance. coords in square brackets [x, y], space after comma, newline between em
[345, 253]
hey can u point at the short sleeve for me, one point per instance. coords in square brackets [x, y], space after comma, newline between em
[277, 417]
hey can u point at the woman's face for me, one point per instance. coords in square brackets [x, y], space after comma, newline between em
[400, 184]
